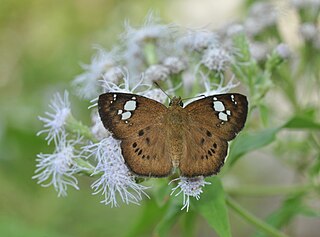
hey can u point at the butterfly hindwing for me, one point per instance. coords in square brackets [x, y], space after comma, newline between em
[224, 114]
[146, 152]
[123, 114]
[203, 154]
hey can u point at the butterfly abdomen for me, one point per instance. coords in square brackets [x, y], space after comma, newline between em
[175, 120]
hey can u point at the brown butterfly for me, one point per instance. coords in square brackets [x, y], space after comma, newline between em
[155, 139]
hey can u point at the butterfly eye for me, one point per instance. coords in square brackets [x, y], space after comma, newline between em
[170, 103]
[181, 103]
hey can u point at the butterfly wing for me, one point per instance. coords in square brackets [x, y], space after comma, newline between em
[212, 122]
[223, 115]
[203, 154]
[138, 122]
[146, 152]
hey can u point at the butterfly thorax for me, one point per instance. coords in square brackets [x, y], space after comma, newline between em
[176, 102]
[175, 119]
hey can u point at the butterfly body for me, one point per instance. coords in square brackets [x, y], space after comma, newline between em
[175, 118]
[156, 139]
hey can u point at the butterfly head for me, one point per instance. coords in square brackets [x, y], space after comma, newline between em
[176, 101]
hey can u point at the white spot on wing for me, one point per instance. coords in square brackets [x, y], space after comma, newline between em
[218, 106]
[228, 112]
[215, 98]
[125, 115]
[232, 98]
[120, 111]
[223, 116]
[130, 105]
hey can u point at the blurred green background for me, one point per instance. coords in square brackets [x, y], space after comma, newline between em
[42, 43]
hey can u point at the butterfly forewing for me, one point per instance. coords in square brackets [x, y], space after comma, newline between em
[224, 115]
[137, 121]
[124, 114]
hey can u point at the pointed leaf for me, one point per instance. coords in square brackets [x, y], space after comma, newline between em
[302, 122]
[247, 142]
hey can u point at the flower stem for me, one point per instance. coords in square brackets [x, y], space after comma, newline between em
[150, 53]
[86, 167]
[77, 127]
[263, 226]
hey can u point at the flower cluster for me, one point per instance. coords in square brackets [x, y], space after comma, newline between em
[184, 61]
[189, 187]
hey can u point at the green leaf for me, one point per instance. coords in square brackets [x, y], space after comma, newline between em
[161, 191]
[302, 122]
[212, 207]
[264, 114]
[168, 220]
[150, 215]
[247, 142]
[188, 223]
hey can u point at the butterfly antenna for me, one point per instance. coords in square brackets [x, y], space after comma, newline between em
[157, 85]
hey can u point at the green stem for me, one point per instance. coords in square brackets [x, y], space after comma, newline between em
[150, 53]
[87, 168]
[261, 225]
[267, 191]
[76, 127]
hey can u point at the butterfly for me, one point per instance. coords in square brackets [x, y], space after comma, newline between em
[156, 140]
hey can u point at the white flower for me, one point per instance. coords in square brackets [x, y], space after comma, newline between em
[136, 39]
[174, 64]
[215, 89]
[234, 29]
[151, 30]
[157, 72]
[97, 129]
[283, 50]
[114, 74]
[198, 40]
[261, 16]
[211, 88]
[87, 83]
[216, 58]
[308, 31]
[189, 187]
[58, 169]
[115, 176]
[259, 50]
[54, 123]
[155, 94]
[125, 87]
